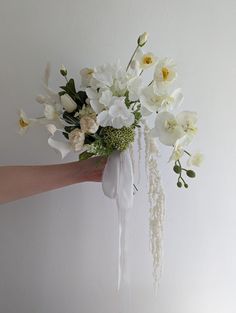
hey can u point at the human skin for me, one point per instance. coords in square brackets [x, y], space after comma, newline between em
[18, 182]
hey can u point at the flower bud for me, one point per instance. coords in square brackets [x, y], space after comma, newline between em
[191, 173]
[177, 169]
[179, 184]
[186, 185]
[142, 39]
[63, 70]
[68, 103]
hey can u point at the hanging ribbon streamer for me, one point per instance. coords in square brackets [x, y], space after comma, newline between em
[117, 184]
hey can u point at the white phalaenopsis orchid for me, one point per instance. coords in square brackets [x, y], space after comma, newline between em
[157, 100]
[167, 129]
[179, 148]
[117, 115]
[196, 159]
[188, 121]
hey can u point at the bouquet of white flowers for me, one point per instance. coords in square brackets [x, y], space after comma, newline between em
[100, 118]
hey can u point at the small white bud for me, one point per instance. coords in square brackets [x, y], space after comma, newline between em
[63, 70]
[142, 39]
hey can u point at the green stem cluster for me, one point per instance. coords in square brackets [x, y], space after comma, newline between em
[178, 169]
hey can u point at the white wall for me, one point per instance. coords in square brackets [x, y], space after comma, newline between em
[58, 250]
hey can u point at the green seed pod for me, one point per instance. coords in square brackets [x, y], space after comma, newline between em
[186, 185]
[179, 184]
[177, 169]
[191, 173]
[118, 139]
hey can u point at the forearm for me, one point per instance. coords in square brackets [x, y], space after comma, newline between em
[22, 181]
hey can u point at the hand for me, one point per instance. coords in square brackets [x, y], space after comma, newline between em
[92, 169]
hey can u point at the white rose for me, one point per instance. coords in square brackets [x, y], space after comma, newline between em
[68, 103]
[88, 125]
[76, 139]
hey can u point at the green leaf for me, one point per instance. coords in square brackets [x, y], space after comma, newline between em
[71, 85]
[85, 155]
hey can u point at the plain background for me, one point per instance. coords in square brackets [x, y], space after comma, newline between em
[58, 250]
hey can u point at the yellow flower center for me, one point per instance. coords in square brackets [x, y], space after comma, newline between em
[147, 60]
[165, 73]
[170, 125]
[23, 123]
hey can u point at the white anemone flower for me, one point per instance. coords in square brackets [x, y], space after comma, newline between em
[145, 60]
[167, 129]
[165, 72]
[155, 101]
[117, 116]
[187, 120]
[195, 159]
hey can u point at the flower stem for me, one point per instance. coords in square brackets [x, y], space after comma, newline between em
[133, 55]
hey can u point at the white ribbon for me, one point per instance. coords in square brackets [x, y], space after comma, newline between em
[117, 184]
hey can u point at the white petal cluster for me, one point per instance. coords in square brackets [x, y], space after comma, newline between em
[169, 128]
[108, 87]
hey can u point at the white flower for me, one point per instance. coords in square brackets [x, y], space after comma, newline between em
[165, 72]
[157, 102]
[142, 39]
[145, 60]
[134, 88]
[50, 112]
[167, 129]
[86, 75]
[88, 125]
[179, 147]
[68, 103]
[63, 147]
[24, 122]
[94, 96]
[51, 128]
[76, 139]
[196, 159]
[187, 120]
[111, 76]
[117, 115]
